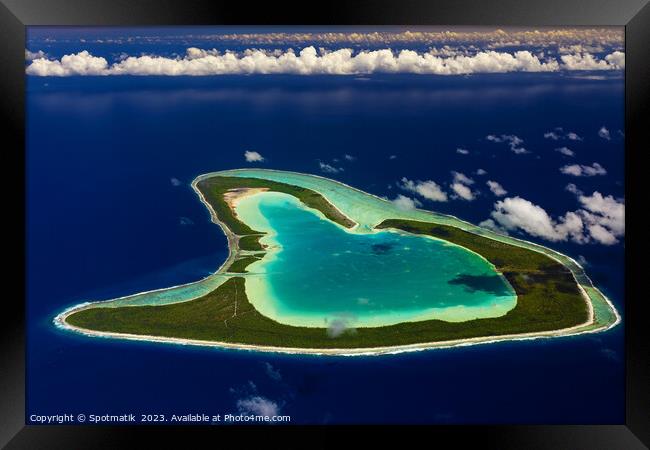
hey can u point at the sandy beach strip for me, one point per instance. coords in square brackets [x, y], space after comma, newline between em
[371, 351]
[232, 196]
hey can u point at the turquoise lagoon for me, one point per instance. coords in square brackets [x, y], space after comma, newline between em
[368, 211]
[317, 272]
[342, 276]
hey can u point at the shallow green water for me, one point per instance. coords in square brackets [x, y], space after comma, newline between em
[317, 272]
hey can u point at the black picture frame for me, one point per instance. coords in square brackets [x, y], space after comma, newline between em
[15, 15]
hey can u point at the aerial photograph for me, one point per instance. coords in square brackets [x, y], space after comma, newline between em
[325, 225]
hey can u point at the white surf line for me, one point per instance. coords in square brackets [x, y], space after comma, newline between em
[60, 319]
[233, 243]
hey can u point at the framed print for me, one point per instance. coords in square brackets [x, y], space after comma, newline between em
[369, 214]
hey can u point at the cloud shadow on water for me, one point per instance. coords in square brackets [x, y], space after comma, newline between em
[492, 284]
[381, 249]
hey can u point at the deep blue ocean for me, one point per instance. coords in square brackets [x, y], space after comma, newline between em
[105, 220]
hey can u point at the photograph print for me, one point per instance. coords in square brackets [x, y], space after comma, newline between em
[325, 225]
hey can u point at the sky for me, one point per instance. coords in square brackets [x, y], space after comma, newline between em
[335, 52]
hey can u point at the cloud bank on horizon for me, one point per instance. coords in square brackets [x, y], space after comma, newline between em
[310, 61]
[565, 39]
[568, 40]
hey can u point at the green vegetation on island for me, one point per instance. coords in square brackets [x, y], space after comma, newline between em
[505, 257]
[239, 265]
[226, 315]
[548, 298]
[214, 189]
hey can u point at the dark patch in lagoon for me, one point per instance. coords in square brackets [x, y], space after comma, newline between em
[381, 249]
[487, 283]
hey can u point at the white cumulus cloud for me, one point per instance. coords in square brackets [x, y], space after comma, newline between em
[30, 56]
[604, 133]
[82, 63]
[460, 186]
[406, 203]
[616, 59]
[340, 324]
[518, 213]
[496, 188]
[602, 234]
[605, 211]
[460, 177]
[272, 372]
[579, 48]
[428, 189]
[463, 191]
[559, 134]
[252, 156]
[328, 168]
[579, 170]
[490, 224]
[514, 142]
[258, 405]
[565, 151]
[587, 61]
[573, 189]
[599, 219]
